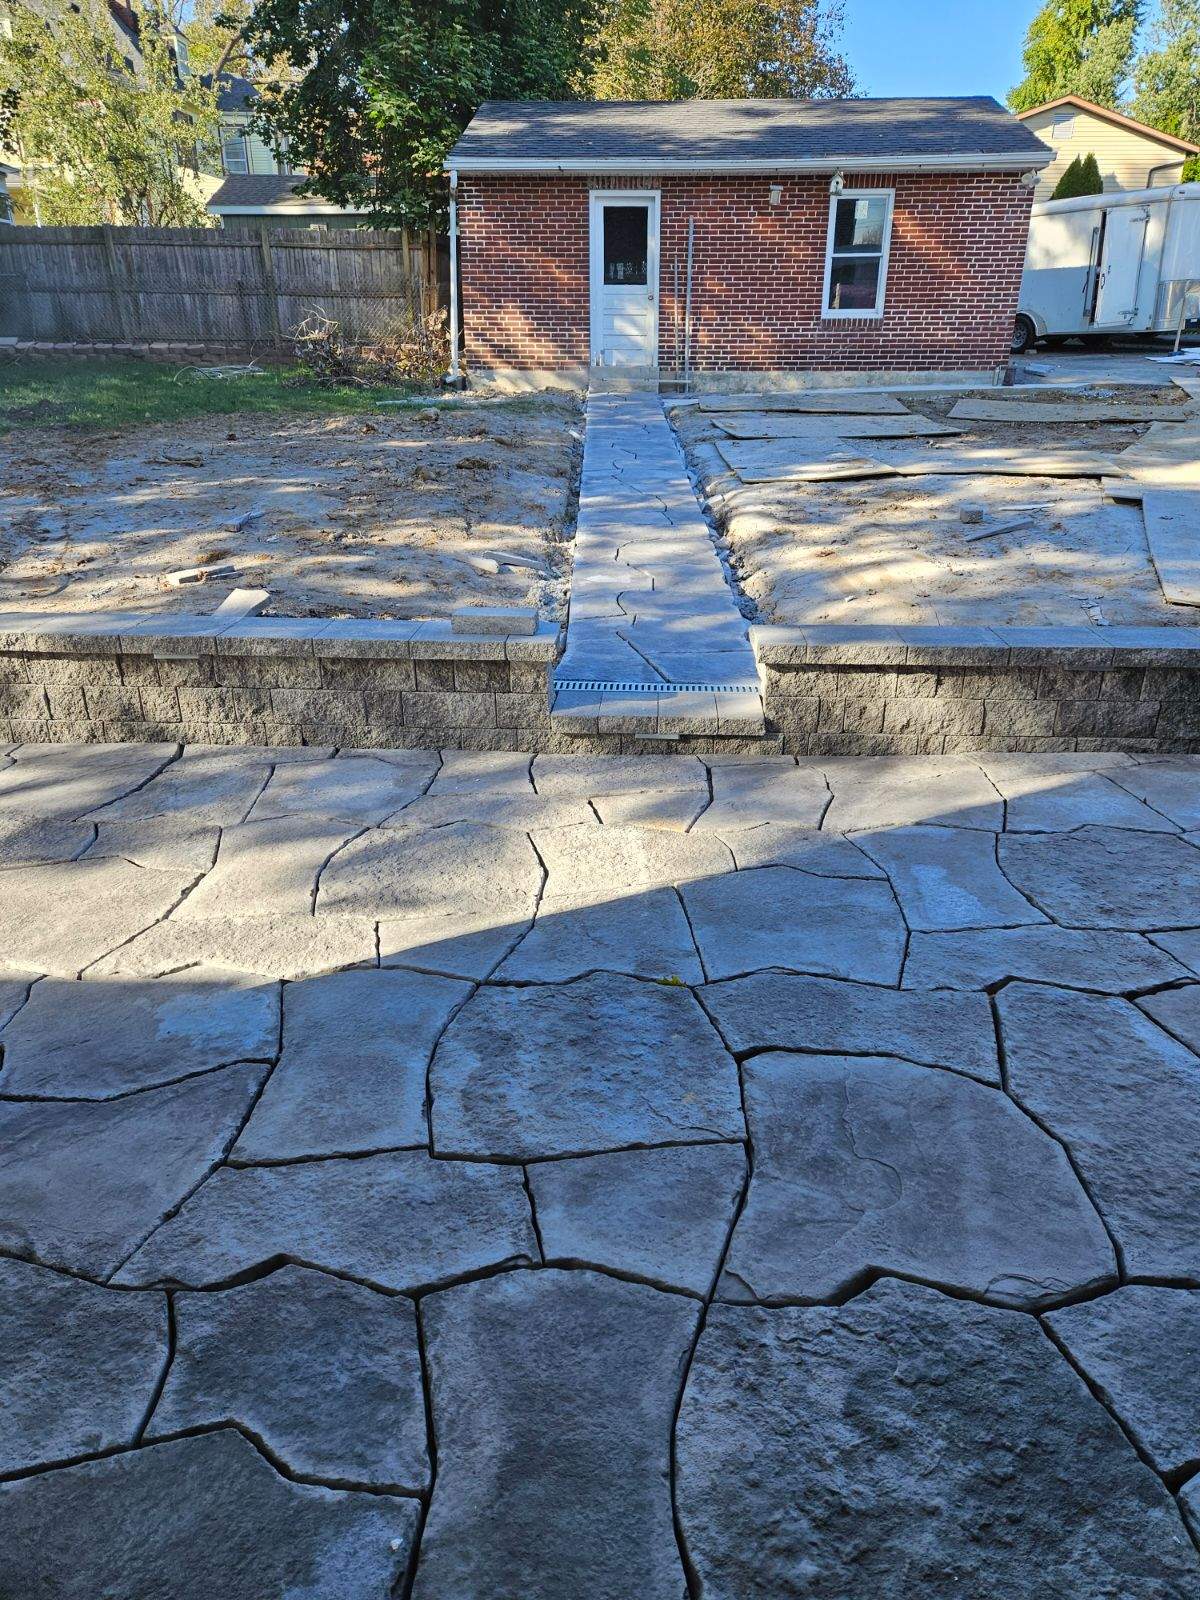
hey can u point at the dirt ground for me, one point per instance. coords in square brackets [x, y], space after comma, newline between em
[892, 550]
[406, 513]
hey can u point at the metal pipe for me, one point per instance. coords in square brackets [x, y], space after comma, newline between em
[675, 318]
[687, 311]
[454, 368]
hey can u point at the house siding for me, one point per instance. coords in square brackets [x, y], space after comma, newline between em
[1125, 158]
[957, 249]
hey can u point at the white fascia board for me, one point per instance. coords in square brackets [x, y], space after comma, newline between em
[1024, 161]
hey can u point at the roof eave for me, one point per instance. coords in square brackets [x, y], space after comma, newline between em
[1171, 141]
[1006, 161]
[284, 208]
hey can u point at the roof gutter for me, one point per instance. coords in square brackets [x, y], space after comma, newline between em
[1013, 161]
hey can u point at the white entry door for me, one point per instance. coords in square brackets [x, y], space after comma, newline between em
[624, 294]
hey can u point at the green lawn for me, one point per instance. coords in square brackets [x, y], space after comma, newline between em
[88, 394]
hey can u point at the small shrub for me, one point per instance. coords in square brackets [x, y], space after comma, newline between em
[1081, 177]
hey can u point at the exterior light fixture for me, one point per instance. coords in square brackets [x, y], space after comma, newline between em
[776, 194]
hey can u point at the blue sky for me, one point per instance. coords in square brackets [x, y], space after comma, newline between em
[936, 46]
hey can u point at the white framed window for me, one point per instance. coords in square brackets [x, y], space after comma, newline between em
[856, 253]
[235, 152]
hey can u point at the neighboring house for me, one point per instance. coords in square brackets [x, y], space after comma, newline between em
[6, 173]
[1130, 154]
[826, 237]
[243, 151]
[251, 199]
[243, 154]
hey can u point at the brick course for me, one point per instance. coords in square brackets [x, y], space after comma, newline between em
[957, 250]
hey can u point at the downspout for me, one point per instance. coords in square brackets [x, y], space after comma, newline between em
[455, 375]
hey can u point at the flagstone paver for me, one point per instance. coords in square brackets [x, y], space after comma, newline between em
[847, 1181]
[947, 883]
[552, 1402]
[1178, 1011]
[158, 842]
[909, 1444]
[81, 1185]
[326, 1373]
[79, 1364]
[61, 921]
[356, 1048]
[778, 917]
[657, 1214]
[892, 792]
[1169, 785]
[1124, 1097]
[197, 1518]
[60, 780]
[782, 1011]
[362, 790]
[26, 841]
[1074, 958]
[106, 1037]
[450, 1099]
[1106, 877]
[267, 869]
[1054, 793]
[1138, 1346]
[214, 787]
[645, 934]
[283, 946]
[601, 1064]
[400, 1221]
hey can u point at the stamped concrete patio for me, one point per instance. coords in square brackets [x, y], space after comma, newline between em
[475, 1178]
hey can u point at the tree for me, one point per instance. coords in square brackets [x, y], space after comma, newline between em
[1167, 76]
[381, 89]
[1082, 47]
[1081, 177]
[215, 31]
[720, 49]
[103, 134]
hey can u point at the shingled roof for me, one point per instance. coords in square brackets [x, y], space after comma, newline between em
[720, 135]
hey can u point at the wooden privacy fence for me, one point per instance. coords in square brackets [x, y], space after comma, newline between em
[211, 286]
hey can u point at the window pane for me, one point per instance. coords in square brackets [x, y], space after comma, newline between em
[853, 283]
[234, 156]
[858, 224]
[626, 231]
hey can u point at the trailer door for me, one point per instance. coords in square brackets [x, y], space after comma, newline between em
[1121, 266]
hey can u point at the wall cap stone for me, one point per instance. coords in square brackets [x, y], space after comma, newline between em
[843, 644]
[180, 634]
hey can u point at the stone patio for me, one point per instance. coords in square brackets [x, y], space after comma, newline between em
[484, 1177]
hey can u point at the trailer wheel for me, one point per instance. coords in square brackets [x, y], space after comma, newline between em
[1024, 335]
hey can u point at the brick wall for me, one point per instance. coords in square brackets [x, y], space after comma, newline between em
[957, 249]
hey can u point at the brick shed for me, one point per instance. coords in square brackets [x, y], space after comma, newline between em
[828, 237]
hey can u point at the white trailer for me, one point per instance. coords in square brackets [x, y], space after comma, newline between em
[1111, 263]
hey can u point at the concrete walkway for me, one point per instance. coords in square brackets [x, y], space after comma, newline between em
[471, 1177]
[656, 644]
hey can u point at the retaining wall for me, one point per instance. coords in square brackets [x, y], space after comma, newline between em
[828, 691]
[911, 691]
[108, 678]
